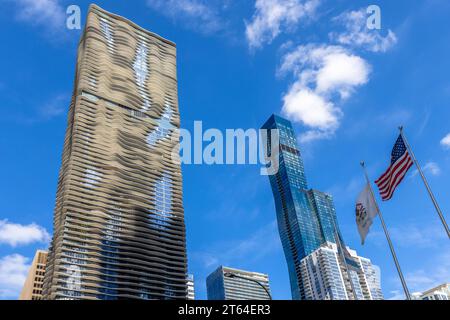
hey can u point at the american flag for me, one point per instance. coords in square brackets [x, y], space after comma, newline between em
[401, 161]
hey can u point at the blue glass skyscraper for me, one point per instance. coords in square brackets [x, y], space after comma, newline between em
[306, 217]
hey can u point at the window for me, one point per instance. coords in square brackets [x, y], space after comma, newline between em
[164, 204]
[141, 68]
[163, 129]
[107, 32]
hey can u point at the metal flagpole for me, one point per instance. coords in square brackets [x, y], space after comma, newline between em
[339, 243]
[441, 216]
[388, 237]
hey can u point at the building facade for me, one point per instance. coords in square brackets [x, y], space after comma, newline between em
[325, 276]
[190, 287]
[441, 292]
[241, 285]
[32, 288]
[306, 217]
[119, 230]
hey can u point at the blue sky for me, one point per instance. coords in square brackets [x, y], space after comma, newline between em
[347, 88]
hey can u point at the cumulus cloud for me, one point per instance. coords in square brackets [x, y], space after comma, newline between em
[356, 34]
[233, 252]
[200, 15]
[271, 17]
[396, 295]
[46, 13]
[422, 279]
[430, 167]
[55, 107]
[15, 234]
[324, 75]
[445, 142]
[303, 105]
[437, 274]
[408, 236]
[420, 237]
[433, 168]
[13, 272]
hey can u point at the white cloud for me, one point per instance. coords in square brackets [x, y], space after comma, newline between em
[324, 75]
[430, 167]
[436, 268]
[46, 13]
[407, 236]
[421, 237]
[13, 272]
[342, 71]
[439, 273]
[397, 295]
[200, 15]
[233, 252]
[346, 191]
[433, 168]
[303, 105]
[16, 234]
[356, 33]
[55, 107]
[445, 142]
[272, 16]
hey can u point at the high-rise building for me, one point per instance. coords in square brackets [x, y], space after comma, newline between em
[190, 287]
[119, 230]
[306, 218]
[233, 284]
[325, 276]
[441, 292]
[372, 274]
[32, 289]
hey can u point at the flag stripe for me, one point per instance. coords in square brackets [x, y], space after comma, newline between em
[385, 178]
[384, 189]
[401, 162]
[387, 193]
[398, 170]
[399, 180]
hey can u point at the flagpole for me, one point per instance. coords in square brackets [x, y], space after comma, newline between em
[339, 243]
[433, 199]
[388, 237]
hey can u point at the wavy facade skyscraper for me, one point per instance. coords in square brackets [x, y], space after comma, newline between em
[306, 218]
[119, 230]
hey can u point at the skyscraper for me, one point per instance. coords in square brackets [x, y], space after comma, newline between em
[306, 218]
[32, 288]
[119, 230]
[325, 277]
[233, 284]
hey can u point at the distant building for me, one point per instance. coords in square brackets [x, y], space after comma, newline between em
[441, 292]
[241, 287]
[308, 228]
[190, 287]
[32, 289]
[306, 217]
[325, 276]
